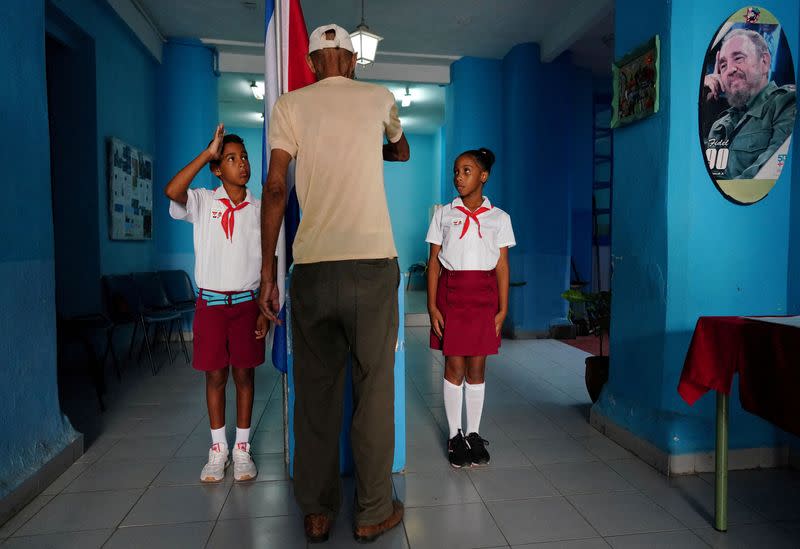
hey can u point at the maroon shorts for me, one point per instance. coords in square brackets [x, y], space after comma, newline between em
[468, 301]
[225, 334]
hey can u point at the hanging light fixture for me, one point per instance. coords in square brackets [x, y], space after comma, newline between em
[364, 42]
[406, 101]
[258, 89]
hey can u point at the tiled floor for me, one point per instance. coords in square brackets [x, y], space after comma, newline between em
[553, 480]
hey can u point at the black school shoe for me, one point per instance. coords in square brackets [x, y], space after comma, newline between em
[477, 449]
[458, 451]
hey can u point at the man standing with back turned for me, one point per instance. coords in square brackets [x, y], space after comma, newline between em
[344, 283]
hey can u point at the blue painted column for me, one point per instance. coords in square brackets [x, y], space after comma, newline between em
[473, 111]
[680, 249]
[187, 114]
[542, 103]
[34, 430]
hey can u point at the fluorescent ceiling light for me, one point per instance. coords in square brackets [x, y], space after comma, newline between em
[258, 90]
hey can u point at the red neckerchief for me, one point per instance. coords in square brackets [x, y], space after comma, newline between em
[228, 218]
[472, 215]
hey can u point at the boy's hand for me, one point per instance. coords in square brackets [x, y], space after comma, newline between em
[215, 148]
[262, 327]
[498, 322]
[437, 321]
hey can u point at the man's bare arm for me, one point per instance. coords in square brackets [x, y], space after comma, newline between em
[397, 152]
[273, 207]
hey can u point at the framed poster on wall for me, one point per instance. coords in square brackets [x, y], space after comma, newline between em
[635, 84]
[747, 104]
[130, 192]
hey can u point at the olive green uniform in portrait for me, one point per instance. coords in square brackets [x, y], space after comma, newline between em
[756, 133]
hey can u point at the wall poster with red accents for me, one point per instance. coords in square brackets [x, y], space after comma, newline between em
[747, 105]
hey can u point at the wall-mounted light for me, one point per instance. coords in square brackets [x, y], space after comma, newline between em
[406, 101]
[258, 89]
[364, 41]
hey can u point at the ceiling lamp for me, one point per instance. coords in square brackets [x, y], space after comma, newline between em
[258, 89]
[406, 101]
[364, 42]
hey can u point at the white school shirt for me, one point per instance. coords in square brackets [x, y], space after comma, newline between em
[221, 263]
[479, 248]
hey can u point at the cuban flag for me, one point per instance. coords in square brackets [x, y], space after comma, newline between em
[285, 50]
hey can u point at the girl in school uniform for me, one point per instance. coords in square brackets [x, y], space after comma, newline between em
[468, 297]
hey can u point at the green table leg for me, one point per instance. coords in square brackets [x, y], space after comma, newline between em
[721, 465]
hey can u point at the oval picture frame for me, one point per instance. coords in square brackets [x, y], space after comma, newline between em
[747, 105]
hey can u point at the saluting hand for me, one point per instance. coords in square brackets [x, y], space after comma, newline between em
[215, 147]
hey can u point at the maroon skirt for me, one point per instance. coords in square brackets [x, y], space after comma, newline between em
[468, 302]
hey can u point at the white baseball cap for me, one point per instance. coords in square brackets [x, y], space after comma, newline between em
[317, 40]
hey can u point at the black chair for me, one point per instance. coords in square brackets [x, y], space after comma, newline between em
[180, 292]
[120, 302]
[156, 309]
[179, 289]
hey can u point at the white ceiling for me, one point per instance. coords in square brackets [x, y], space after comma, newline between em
[478, 28]
[419, 36]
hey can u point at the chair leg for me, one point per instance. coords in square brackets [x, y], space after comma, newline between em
[183, 341]
[110, 350]
[133, 340]
[166, 340]
[149, 350]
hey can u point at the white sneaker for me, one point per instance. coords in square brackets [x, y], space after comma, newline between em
[218, 461]
[243, 466]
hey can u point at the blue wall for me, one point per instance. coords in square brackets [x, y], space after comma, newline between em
[126, 93]
[411, 189]
[473, 114]
[187, 115]
[536, 117]
[547, 145]
[34, 431]
[682, 250]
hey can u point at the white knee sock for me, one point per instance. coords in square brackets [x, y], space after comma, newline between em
[473, 395]
[453, 397]
[242, 435]
[218, 436]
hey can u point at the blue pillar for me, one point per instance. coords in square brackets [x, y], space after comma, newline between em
[187, 116]
[680, 249]
[473, 111]
[541, 156]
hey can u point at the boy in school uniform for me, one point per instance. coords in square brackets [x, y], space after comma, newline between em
[228, 328]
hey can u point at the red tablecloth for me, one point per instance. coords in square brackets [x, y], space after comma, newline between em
[765, 355]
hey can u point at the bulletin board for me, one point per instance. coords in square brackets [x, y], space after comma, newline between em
[130, 186]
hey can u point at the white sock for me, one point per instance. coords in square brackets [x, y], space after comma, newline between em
[473, 395]
[242, 435]
[453, 397]
[218, 436]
